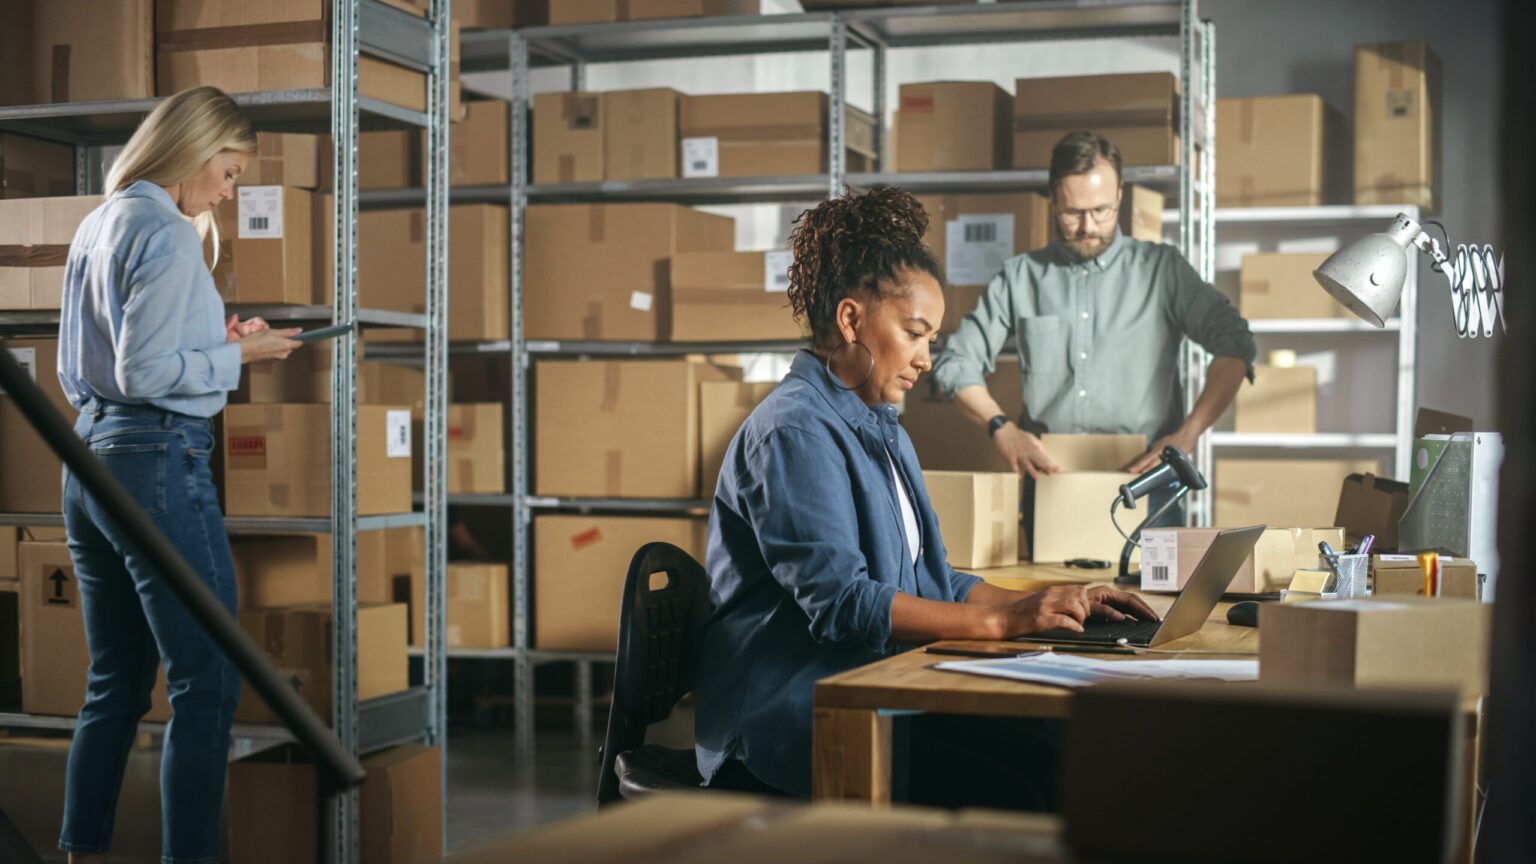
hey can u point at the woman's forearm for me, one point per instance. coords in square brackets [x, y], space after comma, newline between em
[914, 619]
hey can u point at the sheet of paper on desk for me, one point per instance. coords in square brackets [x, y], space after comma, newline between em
[1064, 670]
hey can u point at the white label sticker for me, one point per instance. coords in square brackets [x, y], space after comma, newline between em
[27, 357]
[640, 300]
[776, 271]
[701, 157]
[975, 247]
[261, 213]
[398, 428]
[1160, 561]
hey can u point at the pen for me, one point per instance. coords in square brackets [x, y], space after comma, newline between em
[1366, 543]
[979, 652]
[1332, 561]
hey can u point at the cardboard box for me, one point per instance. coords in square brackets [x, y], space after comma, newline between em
[298, 641]
[1281, 285]
[54, 659]
[586, 11]
[640, 134]
[277, 460]
[34, 168]
[11, 537]
[602, 271]
[1093, 452]
[287, 159]
[1400, 574]
[972, 235]
[477, 604]
[1169, 557]
[580, 563]
[77, 51]
[822, 5]
[643, 9]
[1281, 491]
[1401, 642]
[400, 807]
[1141, 213]
[391, 159]
[501, 14]
[476, 454]
[732, 296]
[1274, 151]
[1135, 111]
[953, 126]
[391, 259]
[477, 147]
[1372, 505]
[306, 377]
[618, 428]
[767, 135]
[723, 407]
[978, 516]
[267, 247]
[478, 275]
[1397, 124]
[1280, 399]
[1072, 516]
[30, 475]
[35, 234]
[568, 139]
[295, 570]
[943, 438]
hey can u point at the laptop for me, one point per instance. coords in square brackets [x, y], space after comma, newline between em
[1190, 610]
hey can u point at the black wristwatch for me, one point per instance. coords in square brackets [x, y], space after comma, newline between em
[995, 424]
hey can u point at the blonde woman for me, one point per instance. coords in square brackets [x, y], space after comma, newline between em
[147, 357]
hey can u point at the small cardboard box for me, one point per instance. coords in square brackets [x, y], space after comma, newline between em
[568, 144]
[77, 51]
[298, 641]
[640, 134]
[723, 407]
[1280, 399]
[1274, 151]
[619, 428]
[29, 472]
[943, 438]
[978, 516]
[267, 248]
[1141, 213]
[295, 569]
[1372, 505]
[277, 460]
[1072, 516]
[972, 235]
[953, 126]
[477, 148]
[476, 455]
[1281, 491]
[580, 563]
[732, 296]
[1397, 124]
[1281, 285]
[1400, 574]
[643, 9]
[767, 135]
[35, 234]
[1401, 642]
[54, 658]
[1135, 111]
[475, 602]
[34, 168]
[1169, 557]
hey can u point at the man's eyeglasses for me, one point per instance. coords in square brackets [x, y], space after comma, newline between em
[1100, 215]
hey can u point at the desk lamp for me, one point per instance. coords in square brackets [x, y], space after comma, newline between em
[1175, 470]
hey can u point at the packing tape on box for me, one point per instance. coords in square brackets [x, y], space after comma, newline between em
[567, 168]
[613, 379]
[613, 471]
[760, 134]
[466, 476]
[592, 322]
[46, 255]
[280, 496]
[597, 224]
[1094, 119]
[418, 226]
[242, 36]
[581, 111]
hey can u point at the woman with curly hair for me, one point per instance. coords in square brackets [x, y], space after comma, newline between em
[824, 552]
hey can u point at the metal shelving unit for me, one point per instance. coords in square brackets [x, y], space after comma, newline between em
[420, 43]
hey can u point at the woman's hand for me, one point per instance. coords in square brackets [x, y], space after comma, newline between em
[1064, 606]
[268, 345]
[235, 329]
[1111, 605]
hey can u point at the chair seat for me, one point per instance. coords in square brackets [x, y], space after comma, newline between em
[653, 768]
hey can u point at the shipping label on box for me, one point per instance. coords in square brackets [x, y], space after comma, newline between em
[976, 245]
[261, 213]
[776, 271]
[1159, 561]
[1170, 557]
[701, 157]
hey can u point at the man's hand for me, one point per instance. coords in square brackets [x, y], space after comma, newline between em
[235, 329]
[1111, 605]
[1025, 452]
[1183, 439]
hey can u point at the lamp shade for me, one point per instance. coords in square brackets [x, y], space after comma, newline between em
[1367, 275]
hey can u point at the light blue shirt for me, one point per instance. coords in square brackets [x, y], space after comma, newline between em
[142, 322]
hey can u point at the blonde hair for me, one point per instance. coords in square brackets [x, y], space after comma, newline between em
[177, 139]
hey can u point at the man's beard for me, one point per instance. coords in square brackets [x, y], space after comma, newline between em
[1086, 249]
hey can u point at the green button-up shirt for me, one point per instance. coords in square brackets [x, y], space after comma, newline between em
[1098, 340]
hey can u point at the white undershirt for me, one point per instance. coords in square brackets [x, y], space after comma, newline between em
[908, 515]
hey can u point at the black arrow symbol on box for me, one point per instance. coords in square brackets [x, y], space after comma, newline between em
[58, 579]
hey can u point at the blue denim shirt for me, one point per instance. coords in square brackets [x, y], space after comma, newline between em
[806, 552]
[142, 322]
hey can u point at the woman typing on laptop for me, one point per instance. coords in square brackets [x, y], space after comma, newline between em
[824, 552]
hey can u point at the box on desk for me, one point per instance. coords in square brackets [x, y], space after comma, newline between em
[723, 407]
[1400, 642]
[29, 471]
[1280, 285]
[77, 51]
[277, 460]
[972, 235]
[1371, 505]
[1280, 399]
[1400, 574]
[1169, 557]
[298, 641]
[767, 135]
[475, 601]
[1135, 111]
[978, 516]
[953, 126]
[1071, 508]
[1274, 151]
[35, 234]
[34, 168]
[732, 296]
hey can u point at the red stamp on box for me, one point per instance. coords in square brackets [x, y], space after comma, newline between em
[586, 538]
[247, 445]
[455, 433]
[917, 103]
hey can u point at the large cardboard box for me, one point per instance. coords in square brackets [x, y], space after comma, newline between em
[400, 807]
[476, 455]
[1274, 151]
[640, 134]
[1280, 399]
[580, 563]
[1397, 642]
[568, 140]
[286, 159]
[1136, 111]
[586, 11]
[476, 602]
[30, 475]
[267, 247]
[1397, 124]
[1281, 285]
[277, 460]
[298, 642]
[1401, 574]
[390, 159]
[295, 569]
[943, 438]
[1071, 508]
[1141, 213]
[978, 516]
[1372, 505]
[391, 259]
[1093, 452]
[603, 271]
[477, 147]
[972, 235]
[35, 234]
[643, 9]
[723, 407]
[767, 135]
[34, 168]
[953, 126]
[501, 14]
[54, 659]
[478, 281]
[732, 296]
[1169, 557]
[1281, 491]
[618, 428]
[77, 51]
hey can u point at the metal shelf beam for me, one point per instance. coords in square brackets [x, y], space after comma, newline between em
[627, 505]
[44, 320]
[1306, 326]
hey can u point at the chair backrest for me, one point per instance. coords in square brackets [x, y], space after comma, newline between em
[658, 646]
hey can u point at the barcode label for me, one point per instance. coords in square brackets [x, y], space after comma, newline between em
[27, 358]
[260, 213]
[776, 271]
[701, 157]
[975, 247]
[1160, 561]
[980, 232]
[398, 428]
[1158, 574]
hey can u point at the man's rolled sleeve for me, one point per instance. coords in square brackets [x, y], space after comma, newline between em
[1208, 318]
[970, 353]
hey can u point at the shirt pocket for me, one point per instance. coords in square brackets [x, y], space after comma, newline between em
[1042, 347]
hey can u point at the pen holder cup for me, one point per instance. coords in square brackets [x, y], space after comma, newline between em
[1353, 572]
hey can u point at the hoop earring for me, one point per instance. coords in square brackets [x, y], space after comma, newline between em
[867, 375]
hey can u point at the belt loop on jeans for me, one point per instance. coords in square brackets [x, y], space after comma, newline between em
[165, 420]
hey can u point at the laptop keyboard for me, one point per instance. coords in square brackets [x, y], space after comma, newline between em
[1134, 632]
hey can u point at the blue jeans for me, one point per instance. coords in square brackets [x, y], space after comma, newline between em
[133, 623]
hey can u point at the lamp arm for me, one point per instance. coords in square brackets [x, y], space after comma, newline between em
[1476, 281]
